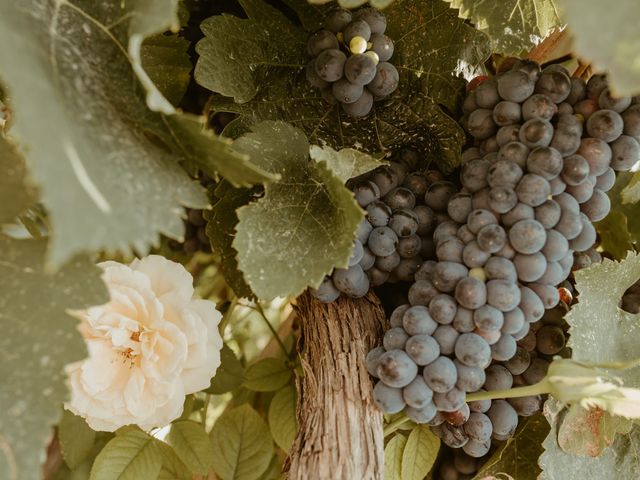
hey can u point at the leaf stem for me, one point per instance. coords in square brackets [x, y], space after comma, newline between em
[203, 412]
[397, 424]
[535, 389]
[273, 330]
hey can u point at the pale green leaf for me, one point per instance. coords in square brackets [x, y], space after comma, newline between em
[518, 456]
[267, 375]
[131, 455]
[420, 453]
[230, 373]
[282, 417]
[431, 44]
[76, 439]
[393, 457]
[38, 339]
[606, 34]
[622, 231]
[346, 163]
[16, 192]
[192, 445]
[172, 467]
[514, 26]
[614, 234]
[631, 193]
[304, 224]
[242, 445]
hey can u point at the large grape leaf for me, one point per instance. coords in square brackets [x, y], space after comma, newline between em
[514, 26]
[305, 223]
[518, 456]
[38, 339]
[620, 460]
[16, 192]
[265, 75]
[108, 167]
[607, 35]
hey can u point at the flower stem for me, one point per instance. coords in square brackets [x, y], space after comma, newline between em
[535, 389]
[273, 330]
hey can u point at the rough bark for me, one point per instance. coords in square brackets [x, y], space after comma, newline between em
[340, 432]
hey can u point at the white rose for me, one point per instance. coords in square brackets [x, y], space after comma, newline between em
[151, 345]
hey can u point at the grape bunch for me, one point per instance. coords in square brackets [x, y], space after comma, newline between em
[403, 205]
[350, 62]
[546, 150]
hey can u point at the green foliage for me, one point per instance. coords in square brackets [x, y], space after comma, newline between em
[242, 445]
[131, 455]
[393, 457]
[230, 373]
[267, 375]
[192, 445]
[420, 453]
[38, 339]
[282, 417]
[302, 227]
[346, 163]
[518, 456]
[16, 193]
[607, 35]
[76, 439]
[172, 466]
[380, 4]
[514, 26]
[427, 58]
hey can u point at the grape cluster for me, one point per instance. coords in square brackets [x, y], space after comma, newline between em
[546, 150]
[402, 207]
[351, 60]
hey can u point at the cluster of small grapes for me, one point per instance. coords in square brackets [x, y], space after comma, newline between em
[530, 192]
[403, 206]
[363, 74]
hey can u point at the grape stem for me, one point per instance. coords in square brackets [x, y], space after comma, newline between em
[397, 424]
[535, 389]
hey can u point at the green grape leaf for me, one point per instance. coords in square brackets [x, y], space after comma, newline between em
[172, 467]
[242, 445]
[230, 373]
[274, 470]
[620, 460]
[420, 453]
[631, 193]
[614, 234]
[167, 63]
[131, 455]
[302, 227]
[518, 456]
[587, 432]
[221, 230]
[76, 439]
[393, 457]
[346, 163]
[267, 375]
[514, 26]
[38, 339]
[611, 46]
[431, 44]
[107, 167]
[16, 192]
[192, 445]
[282, 417]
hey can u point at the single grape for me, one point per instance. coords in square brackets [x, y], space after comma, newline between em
[378, 214]
[539, 106]
[351, 281]
[383, 46]
[469, 104]
[545, 161]
[422, 415]
[533, 190]
[472, 350]
[337, 20]
[606, 125]
[527, 236]
[444, 230]
[357, 28]
[386, 179]
[503, 294]
[536, 132]
[514, 152]
[417, 394]
[609, 102]
[480, 218]
[409, 247]
[504, 173]
[320, 41]
[554, 84]
[463, 321]
[526, 406]
[404, 222]
[548, 294]
[551, 340]
[500, 268]
[548, 214]
[360, 70]
[515, 86]
[385, 80]
[395, 338]
[417, 321]
[376, 20]
[443, 308]
[388, 399]
[487, 94]
[446, 336]
[480, 199]
[396, 369]
[586, 239]
[489, 336]
[345, 91]
[575, 170]
[480, 406]
[553, 274]
[507, 113]
[372, 360]
[508, 134]
[451, 435]
[520, 211]
[507, 252]
[597, 207]
[570, 224]
[583, 191]
[491, 238]
[498, 378]
[557, 186]
[473, 256]
[631, 117]
[356, 254]
[531, 305]
[530, 267]
[504, 418]
[488, 318]
[536, 372]
[426, 219]
[597, 153]
[330, 65]
[313, 78]
[606, 181]
[366, 192]
[471, 293]
[326, 292]
[478, 427]
[625, 153]
[470, 379]
[395, 320]
[406, 269]
[440, 375]
[513, 321]
[360, 107]
[447, 275]
[519, 362]
[481, 124]
[566, 139]
[377, 277]
[459, 207]
[504, 348]
[417, 183]
[502, 199]
[474, 174]
[438, 195]
[382, 241]
[449, 401]
[450, 250]
[578, 90]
